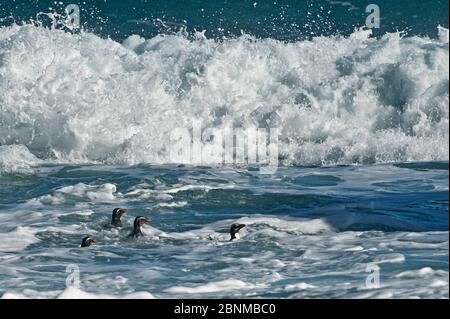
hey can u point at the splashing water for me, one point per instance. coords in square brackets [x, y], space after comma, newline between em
[340, 100]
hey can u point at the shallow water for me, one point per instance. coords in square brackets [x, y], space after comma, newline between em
[311, 231]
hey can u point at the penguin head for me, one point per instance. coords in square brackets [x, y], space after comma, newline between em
[234, 230]
[139, 221]
[118, 212]
[88, 241]
[116, 215]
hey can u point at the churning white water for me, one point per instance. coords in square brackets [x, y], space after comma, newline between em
[338, 100]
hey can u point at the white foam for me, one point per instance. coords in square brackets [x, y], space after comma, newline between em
[299, 286]
[104, 192]
[212, 287]
[17, 159]
[339, 100]
[443, 34]
[57, 199]
[76, 293]
[132, 42]
[17, 239]
[86, 212]
[172, 205]
[439, 283]
[394, 258]
[298, 226]
[183, 188]
[425, 272]
[11, 295]
[260, 226]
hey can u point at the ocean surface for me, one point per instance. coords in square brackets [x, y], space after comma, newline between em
[357, 206]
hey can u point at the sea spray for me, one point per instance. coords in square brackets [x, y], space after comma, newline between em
[340, 100]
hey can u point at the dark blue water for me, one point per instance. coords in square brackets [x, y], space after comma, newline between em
[281, 19]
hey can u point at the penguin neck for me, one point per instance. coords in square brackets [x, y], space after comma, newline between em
[85, 243]
[234, 236]
[116, 222]
[137, 231]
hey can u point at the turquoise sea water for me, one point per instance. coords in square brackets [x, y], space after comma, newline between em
[280, 19]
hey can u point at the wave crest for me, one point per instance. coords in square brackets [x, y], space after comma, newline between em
[339, 100]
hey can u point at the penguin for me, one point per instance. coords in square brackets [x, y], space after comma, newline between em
[234, 230]
[115, 218]
[88, 241]
[137, 226]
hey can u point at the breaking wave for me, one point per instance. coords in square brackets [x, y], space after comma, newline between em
[335, 100]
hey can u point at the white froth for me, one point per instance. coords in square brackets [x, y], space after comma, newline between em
[299, 286]
[339, 100]
[394, 258]
[299, 226]
[439, 283]
[212, 287]
[104, 192]
[12, 295]
[425, 272]
[17, 159]
[172, 205]
[17, 239]
[76, 293]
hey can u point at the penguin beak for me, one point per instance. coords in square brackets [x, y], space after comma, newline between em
[124, 210]
[145, 220]
[93, 240]
[240, 226]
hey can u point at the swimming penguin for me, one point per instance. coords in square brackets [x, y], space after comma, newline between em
[234, 230]
[137, 226]
[116, 215]
[88, 241]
